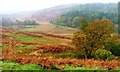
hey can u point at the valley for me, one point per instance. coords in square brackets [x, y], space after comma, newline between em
[62, 38]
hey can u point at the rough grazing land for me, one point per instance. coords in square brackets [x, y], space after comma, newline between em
[52, 51]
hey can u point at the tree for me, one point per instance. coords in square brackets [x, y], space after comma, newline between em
[76, 22]
[93, 37]
[84, 24]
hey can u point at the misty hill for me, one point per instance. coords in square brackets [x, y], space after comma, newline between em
[89, 12]
[50, 13]
[71, 10]
[40, 15]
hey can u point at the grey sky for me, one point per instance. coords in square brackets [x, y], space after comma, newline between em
[12, 6]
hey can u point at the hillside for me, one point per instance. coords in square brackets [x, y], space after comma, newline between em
[44, 15]
[89, 12]
[49, 14]
[46, 47]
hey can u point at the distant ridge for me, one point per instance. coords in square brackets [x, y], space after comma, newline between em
[47, 14]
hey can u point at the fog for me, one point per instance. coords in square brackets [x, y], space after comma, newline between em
[13, 6]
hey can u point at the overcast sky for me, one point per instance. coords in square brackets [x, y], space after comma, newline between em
[13, 6]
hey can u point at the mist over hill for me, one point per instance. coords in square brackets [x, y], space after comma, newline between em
[54, 12]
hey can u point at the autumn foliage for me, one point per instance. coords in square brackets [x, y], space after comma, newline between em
[11, 54]
[56, 48]
[93, 37]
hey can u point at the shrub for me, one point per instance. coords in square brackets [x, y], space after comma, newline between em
[103, 54]
[114, 47]
[112, 57]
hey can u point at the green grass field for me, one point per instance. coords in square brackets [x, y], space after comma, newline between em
[11, 65]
